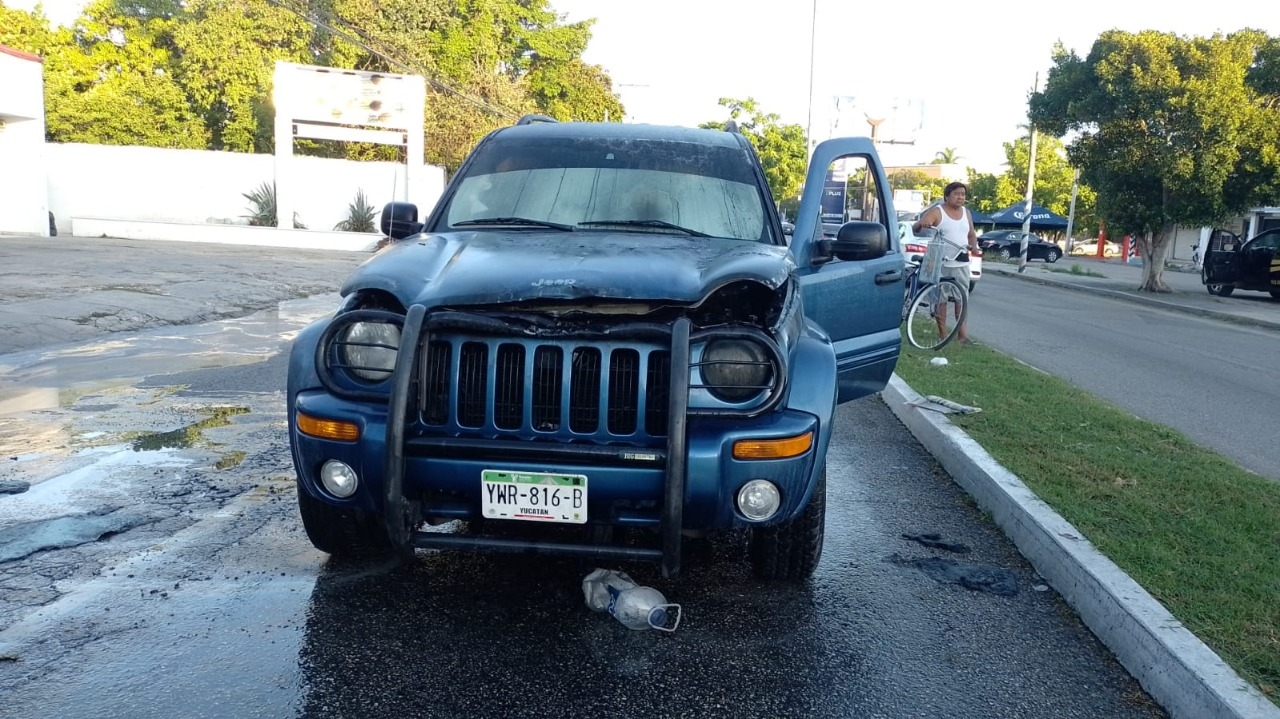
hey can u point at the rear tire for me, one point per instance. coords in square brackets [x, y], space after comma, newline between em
[345, 533]
[791, 550]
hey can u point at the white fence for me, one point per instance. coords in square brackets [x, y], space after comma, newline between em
[155, 185]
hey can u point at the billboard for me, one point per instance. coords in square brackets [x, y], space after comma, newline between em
[309, 93]
[833, 197]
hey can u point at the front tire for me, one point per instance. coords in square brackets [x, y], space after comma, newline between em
[344, 533]
[922, 319]
[1005, 255]
[791, 550]
[1051, 257]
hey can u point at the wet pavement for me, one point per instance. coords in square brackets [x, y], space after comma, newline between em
[218, 606]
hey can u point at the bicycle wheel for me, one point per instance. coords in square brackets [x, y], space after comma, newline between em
[925, 328]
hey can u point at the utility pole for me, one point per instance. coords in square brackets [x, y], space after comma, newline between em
[1071, 213]
[813, 33]
[874, 122]
[1031, 185]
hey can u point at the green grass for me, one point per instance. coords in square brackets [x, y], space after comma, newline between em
[1076, 270]
[1199, 533]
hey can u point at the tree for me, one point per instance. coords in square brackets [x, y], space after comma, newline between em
[947, 156]
[782, 148]
[26, 31]
[490, 61]
[917, 180]
[982, 192]
[229, 49]
[198, 73]
[1054, 178]
[108, 80]
[1172, 130]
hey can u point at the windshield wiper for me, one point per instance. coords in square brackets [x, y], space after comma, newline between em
[517, 221]
[644, 223]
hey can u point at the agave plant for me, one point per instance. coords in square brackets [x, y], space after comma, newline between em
[263, 212]
[360, 216]
[263, 201]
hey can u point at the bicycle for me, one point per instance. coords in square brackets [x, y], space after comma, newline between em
[923, 301]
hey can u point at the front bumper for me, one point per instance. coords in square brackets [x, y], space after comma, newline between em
[408, 474]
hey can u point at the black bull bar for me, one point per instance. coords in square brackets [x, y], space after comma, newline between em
[398, 516]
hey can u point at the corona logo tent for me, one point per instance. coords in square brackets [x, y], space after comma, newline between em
[1041, 218]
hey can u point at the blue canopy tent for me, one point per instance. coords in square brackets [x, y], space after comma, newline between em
[1041, 218]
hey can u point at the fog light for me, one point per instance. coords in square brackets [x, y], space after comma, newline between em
[758, 500]
[339, 479]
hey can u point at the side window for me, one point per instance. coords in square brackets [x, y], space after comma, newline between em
[1270, 242]
[850, 192]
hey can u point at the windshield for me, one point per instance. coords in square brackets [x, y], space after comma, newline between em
[615, 185]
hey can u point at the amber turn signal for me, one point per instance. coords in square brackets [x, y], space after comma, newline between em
[773, 448]
[328, 428]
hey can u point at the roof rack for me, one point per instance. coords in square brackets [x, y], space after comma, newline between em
[531, 119]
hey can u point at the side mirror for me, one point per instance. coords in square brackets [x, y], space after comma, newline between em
[858, 240]
[788, 228]
[400, 220]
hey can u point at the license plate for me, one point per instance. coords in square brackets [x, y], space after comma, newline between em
[534, 496]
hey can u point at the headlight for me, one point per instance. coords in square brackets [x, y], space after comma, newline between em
[368, 349]
[736, 370]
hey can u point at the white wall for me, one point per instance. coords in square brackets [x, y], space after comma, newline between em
[24, 204]
[196, 186]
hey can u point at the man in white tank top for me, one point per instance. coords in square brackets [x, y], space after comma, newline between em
[955, 227]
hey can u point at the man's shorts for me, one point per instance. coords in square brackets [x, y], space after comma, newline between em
[960, 272]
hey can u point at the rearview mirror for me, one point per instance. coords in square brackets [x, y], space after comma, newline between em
[400, 220]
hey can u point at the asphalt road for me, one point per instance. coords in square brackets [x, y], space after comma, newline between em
[1216, 382]
[56, 290]
[207, 600]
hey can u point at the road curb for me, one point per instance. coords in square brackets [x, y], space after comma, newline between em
[1181, 672]
[1149, 301]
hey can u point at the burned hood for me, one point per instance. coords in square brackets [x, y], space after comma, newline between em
[477, 268]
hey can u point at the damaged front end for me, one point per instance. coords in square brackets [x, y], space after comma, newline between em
[615, 402]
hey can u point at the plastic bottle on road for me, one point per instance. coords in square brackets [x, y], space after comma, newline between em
[637, 607]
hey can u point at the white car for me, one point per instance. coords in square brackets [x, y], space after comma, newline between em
[1089, 248]
[913, 246]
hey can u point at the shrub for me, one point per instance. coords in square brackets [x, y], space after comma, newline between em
[360, 216]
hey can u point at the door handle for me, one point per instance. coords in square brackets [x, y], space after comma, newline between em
[886, 278]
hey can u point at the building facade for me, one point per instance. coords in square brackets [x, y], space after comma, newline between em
[24, 191]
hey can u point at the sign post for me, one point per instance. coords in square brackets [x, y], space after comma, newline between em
[1031, 185]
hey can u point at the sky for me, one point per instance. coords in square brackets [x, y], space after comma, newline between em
[941, 74]
[958, 73]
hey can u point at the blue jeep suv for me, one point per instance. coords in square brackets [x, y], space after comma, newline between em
[600, 327]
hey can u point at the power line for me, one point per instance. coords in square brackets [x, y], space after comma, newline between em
[437, 84]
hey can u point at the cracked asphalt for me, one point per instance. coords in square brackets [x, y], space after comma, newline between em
[59, 290]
